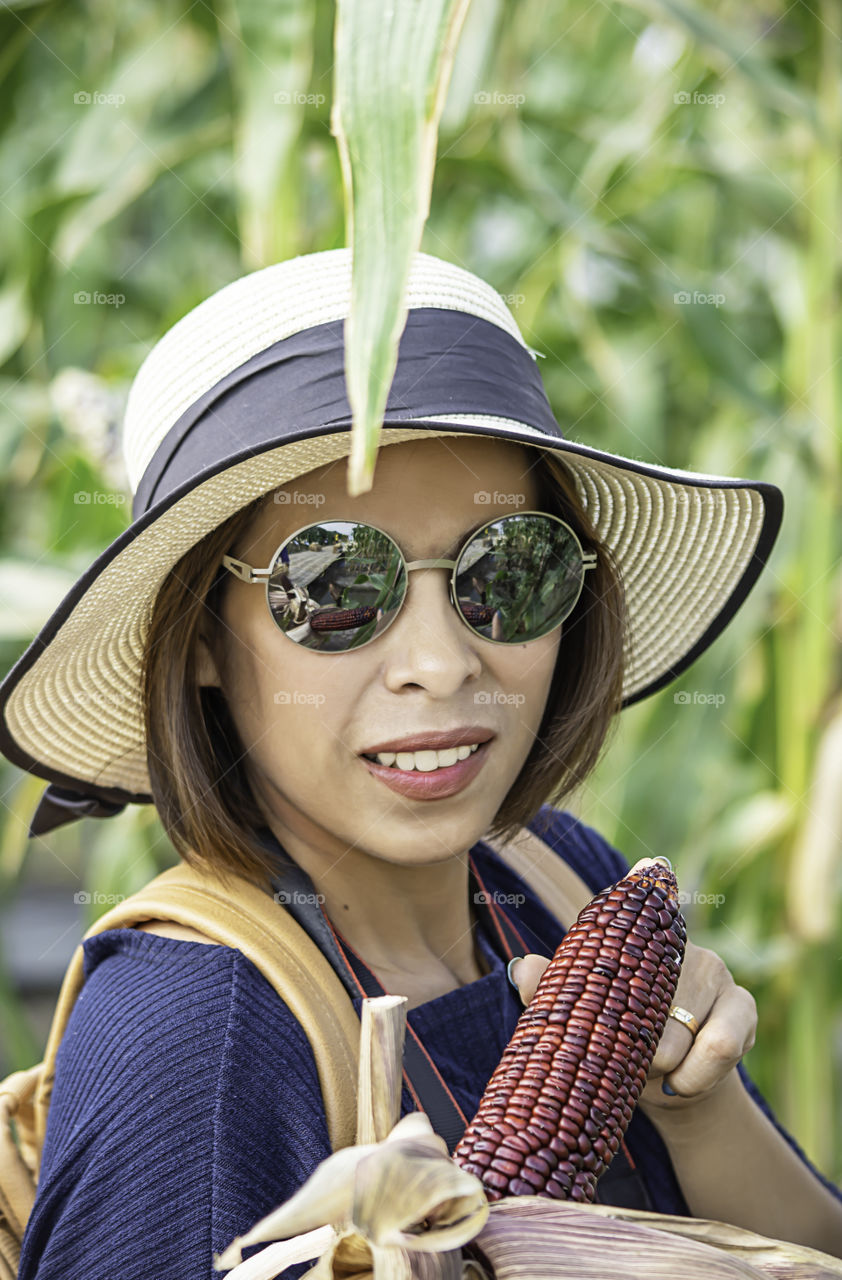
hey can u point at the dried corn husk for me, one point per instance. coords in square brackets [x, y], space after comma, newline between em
[531, 1238]
[772, 1257]
[398, 1207]
[394, 1208]
[377, 1197]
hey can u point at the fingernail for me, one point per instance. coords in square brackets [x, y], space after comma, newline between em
[668, 1089]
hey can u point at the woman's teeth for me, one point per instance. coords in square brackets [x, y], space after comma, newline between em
[424, 761]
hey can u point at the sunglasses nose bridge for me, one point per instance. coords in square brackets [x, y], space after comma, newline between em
[433, 563]
[449, 565]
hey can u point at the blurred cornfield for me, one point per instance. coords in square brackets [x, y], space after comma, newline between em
[654, 188]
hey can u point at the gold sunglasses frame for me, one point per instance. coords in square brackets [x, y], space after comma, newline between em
[250, 575]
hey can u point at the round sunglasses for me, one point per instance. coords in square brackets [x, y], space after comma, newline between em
[337, 585]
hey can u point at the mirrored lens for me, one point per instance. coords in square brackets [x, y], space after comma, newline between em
[519, 577]
[336, 585]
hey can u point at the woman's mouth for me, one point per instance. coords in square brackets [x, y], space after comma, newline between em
[428, 775]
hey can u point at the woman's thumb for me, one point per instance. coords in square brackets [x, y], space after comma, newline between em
[525, 973]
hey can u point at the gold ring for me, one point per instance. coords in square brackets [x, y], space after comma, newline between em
[685, 1017]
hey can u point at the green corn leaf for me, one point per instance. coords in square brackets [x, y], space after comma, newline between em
[21, 800]
[14, 317]
[271, 51]
[393, 64]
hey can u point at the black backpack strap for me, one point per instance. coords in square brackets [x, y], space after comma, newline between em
[421, 1074]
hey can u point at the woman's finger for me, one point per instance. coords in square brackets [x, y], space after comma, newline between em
[677, 1039]
[704, 977]
[726, 1034]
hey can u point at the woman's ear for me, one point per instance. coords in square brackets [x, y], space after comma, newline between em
[207, 672]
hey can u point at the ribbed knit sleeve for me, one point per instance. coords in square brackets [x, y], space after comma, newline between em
[186, 1106]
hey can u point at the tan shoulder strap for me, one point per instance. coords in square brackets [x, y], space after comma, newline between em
[557, 885]
[249, 919]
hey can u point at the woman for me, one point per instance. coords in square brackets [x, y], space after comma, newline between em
[349, 750]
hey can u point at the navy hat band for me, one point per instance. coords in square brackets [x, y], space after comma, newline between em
[448, 362]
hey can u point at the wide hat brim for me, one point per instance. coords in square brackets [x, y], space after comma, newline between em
[689, 546]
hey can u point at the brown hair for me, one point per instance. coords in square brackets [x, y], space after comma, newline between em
[197, 762]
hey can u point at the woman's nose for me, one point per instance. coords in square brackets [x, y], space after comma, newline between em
[428, 644]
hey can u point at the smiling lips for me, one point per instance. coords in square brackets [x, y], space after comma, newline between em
[429, 774]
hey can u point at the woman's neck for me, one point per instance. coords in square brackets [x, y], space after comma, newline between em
[408, 923]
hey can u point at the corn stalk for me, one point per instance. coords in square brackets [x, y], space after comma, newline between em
[806, 639]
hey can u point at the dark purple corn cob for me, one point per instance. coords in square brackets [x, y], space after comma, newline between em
[479, 615]
[342, 619]
[558, 1104]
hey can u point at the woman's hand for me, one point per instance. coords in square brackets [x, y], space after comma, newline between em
[693, 1067]
[727, 1016]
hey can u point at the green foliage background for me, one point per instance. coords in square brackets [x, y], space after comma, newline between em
[654, 186]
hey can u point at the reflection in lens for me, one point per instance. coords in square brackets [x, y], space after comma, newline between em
[519, 577]
[351, 577]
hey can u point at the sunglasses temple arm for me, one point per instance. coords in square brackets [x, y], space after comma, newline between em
[244, 571]
[298, 599]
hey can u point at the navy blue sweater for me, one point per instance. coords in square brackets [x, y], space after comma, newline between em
[187, 1105]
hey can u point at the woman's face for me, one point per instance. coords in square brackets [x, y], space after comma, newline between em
[306, 718]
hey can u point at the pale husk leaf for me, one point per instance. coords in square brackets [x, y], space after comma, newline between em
[353, 1258]
[393, 1196]
[772, 1257]
[323, 1200]
[272, 1260]
[534, 1238]
[386, 1201]
[382, 1032]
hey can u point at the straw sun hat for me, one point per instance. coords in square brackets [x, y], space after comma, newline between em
[247, 392]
